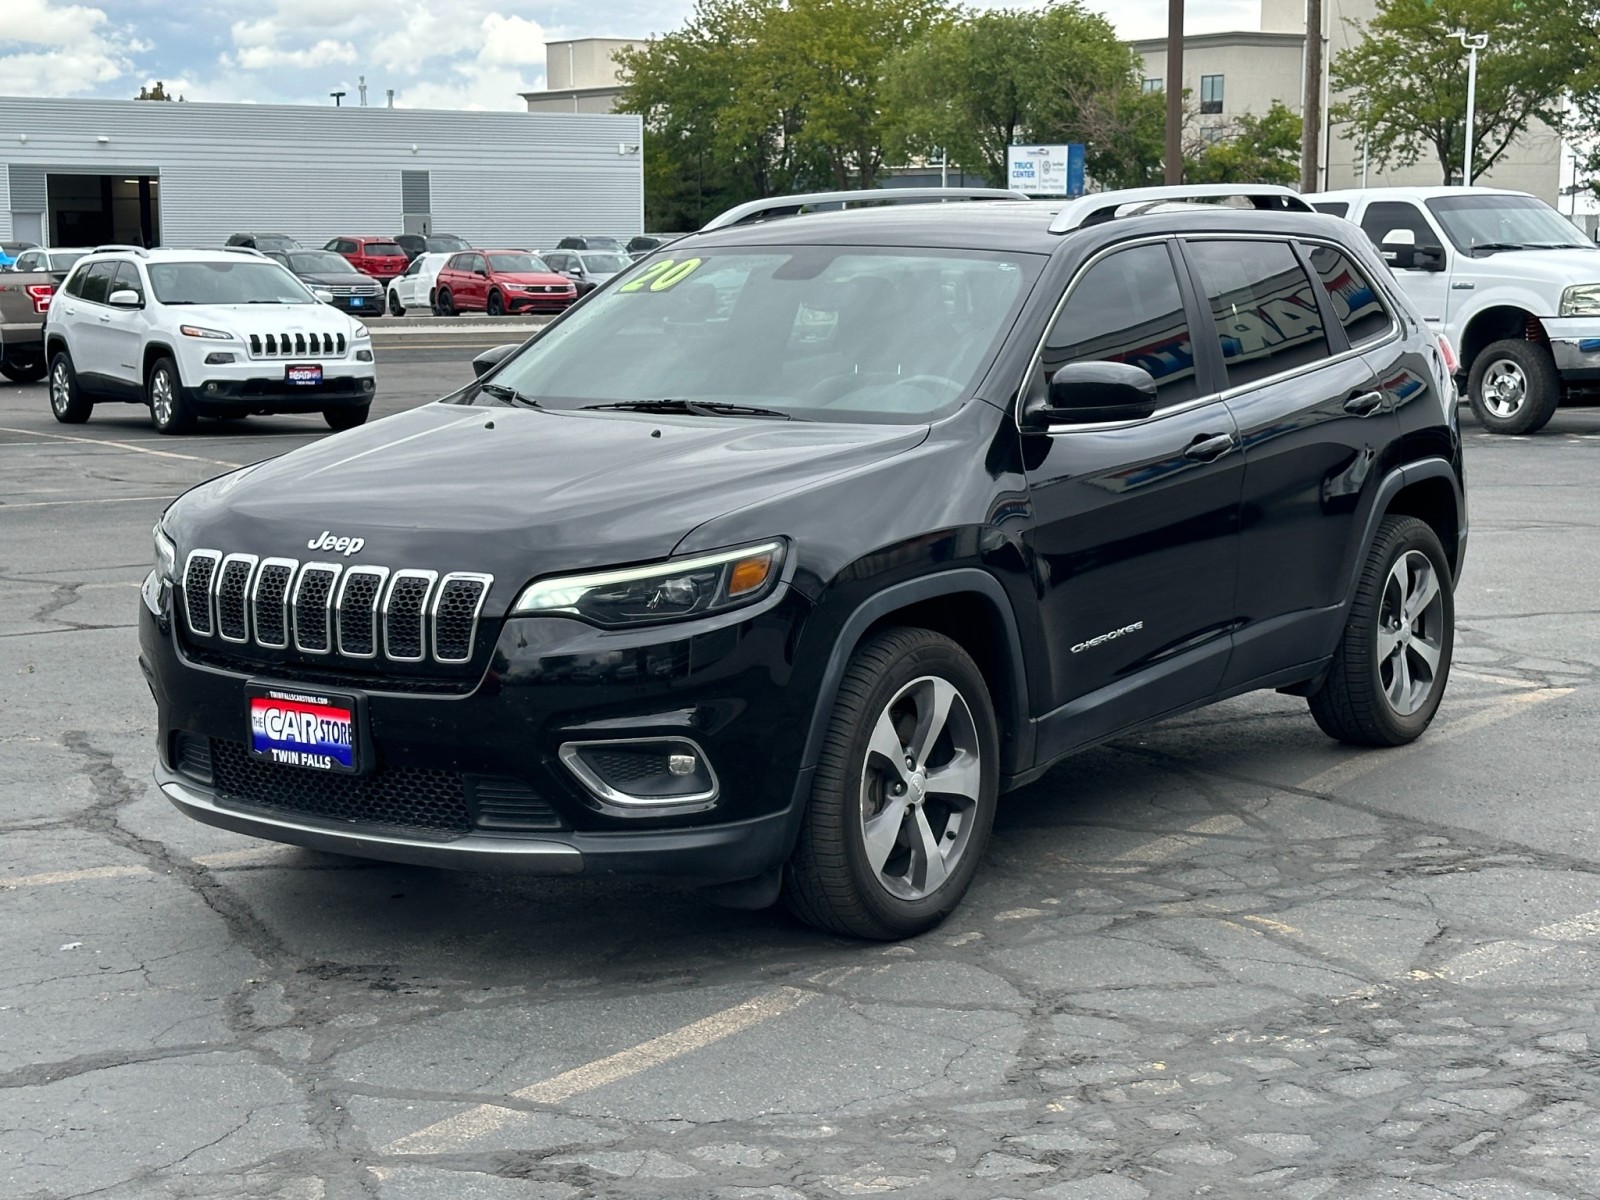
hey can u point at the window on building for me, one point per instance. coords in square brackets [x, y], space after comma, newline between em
[1151, 85]
[1211, 93]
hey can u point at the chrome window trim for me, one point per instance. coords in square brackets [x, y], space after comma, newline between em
[1035, 362]
[333, 587]
[616, 803]
[288, 591]
[382, 574]
[432, 577]
[216, 596]
[477, 611]
[215, 557]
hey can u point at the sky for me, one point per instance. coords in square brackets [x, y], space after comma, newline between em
[434, 53]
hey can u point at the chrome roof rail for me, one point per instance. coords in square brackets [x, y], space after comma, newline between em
[239, 250]
[1103, 206]
[117, 248]
[789, 206]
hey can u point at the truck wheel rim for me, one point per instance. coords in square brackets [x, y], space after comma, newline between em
[161, 397]
[60, 389]
[1410, 633]
[920, 788]
[1505, 387]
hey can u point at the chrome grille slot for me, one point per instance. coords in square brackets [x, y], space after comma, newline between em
[232, 585]
[455, 615]
[269, 603]
[197, 575]
[313, 602]
[404, 606]
[357, 611]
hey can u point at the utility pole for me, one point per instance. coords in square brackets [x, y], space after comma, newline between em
[1311, 104]
[1174, 89]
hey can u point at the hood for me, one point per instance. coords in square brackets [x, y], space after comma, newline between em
[519, 492]
[1558, 268]
[350, 278]
[539, 277]
[267, 318]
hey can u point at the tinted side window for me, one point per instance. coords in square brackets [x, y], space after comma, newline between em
[1263, 306]
[74, 285]
[1334, 208]
[1356, 302]
[1388, 215]
[97, 284]
[1127, 308]
[127, 277]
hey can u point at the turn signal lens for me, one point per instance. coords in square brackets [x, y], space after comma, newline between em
[749, 574]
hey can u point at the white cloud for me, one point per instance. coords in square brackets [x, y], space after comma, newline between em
[48, 48]
[266, 56]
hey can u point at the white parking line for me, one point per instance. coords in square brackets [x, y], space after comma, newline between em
[487, 1118]
[46, 878]
[63, 503]
[128, 446]
[1474, 964]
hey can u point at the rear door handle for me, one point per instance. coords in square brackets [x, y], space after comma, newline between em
[1209, 448]
[1364, 404]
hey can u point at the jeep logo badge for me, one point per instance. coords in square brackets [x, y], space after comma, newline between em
[344, 545]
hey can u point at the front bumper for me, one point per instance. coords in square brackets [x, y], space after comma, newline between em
[1575, 345]
[346, 391]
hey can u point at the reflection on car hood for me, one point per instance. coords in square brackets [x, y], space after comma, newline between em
[249, 318]
[520, 492]
[335, 279]
[532, 277]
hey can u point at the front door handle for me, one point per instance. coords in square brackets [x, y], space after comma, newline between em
[105, 318]
[1209, 448]
[1364, 404]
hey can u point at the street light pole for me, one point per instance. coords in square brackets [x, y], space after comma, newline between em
[1473, 43]
[1174, 86]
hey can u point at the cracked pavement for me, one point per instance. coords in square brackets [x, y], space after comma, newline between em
[1224, 956]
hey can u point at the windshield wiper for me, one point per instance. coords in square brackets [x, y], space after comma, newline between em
[698, 408]
[1491, 247]
[509, 394]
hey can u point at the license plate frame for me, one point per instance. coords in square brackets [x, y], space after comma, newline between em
[284, 740]
[302, 374]
[358, 301]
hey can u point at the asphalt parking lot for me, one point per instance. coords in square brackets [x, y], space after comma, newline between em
[1223, 957]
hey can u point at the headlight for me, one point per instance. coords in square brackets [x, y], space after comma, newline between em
[200, 331]
[1582, 300]
[166, 553]
[361, 331]
[689, 587]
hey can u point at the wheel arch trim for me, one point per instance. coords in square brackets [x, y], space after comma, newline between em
[1397, 481]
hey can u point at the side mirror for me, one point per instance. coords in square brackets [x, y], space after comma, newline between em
[1399, 247]
[1085, 393]
[1428, 258]
[323, 295]
[490, 359]
[125, 298]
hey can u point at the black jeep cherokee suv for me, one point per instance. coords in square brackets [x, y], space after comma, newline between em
[773, 564]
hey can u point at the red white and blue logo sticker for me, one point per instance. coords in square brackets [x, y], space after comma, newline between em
[302, 729]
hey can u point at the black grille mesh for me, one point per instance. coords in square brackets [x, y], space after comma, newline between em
[627, 766]
[453, 621]
[503, 803]
[271, 587]
[358, 614]
[311, 607]
[232, 589]
[402, 797]
[197, 593]
[403, 621]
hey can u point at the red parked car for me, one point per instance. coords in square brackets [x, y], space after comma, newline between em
[380, 257]
[501, 281]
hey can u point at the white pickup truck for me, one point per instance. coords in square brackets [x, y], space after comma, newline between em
[1509, 281]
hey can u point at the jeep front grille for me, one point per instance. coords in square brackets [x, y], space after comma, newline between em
[297, 345]
[328, 609]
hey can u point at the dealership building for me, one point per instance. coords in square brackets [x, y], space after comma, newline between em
[88, 172]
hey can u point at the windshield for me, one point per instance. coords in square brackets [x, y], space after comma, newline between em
[816, 332]
[1503, 223]
[62, 260]
[525, 264]
[605, 264]
[602, 243]
[244, 282]
[384, 250]
[446, 243]
[320, 262]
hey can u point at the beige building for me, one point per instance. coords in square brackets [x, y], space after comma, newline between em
[1229, 74]
[581, 76]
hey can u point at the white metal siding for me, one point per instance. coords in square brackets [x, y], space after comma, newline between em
[318, 172]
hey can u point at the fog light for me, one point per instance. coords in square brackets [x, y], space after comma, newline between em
[217, 357]
[643, 777]
[363, 355]
[366, 385]
[211, 387]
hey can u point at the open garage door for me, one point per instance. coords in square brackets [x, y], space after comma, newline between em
[121, 207]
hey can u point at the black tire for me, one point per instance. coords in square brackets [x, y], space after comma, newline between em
[67, 403]
[433, 303]
[829, 881]
[347, 418]
[496, 306]
[1514, 387]
[30, 371]
[395, 307]
[1354, 704]
[163, 392]
[447, 303]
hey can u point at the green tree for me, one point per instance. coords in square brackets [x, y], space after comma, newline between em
[1264, 149]
[1405, 82]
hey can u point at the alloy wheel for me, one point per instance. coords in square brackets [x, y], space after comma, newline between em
[1410, 632]
[1505, 388]
[161, 397]
[60, 389]
[920, 785]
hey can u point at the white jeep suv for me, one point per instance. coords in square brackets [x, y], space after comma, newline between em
[1508, 280]
[194, 333]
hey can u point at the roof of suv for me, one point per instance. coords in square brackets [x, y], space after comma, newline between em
[168, 255]
[1412, 193]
